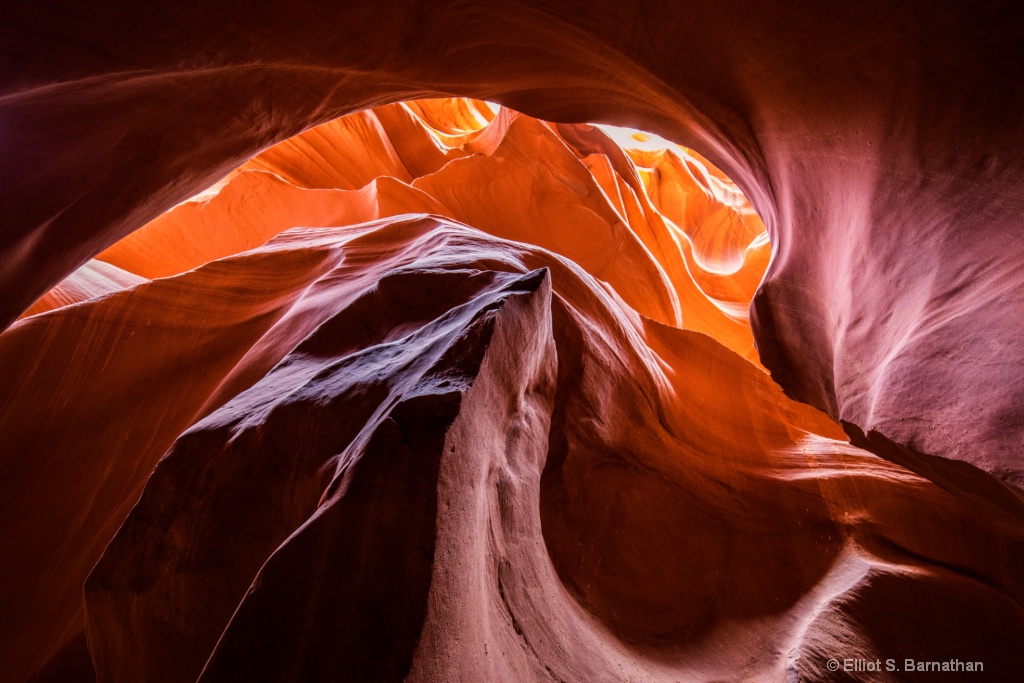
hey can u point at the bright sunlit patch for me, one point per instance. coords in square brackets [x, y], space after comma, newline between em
[631, 138]
[212, 191]
[479, 117]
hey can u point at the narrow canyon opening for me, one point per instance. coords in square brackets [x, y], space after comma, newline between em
[655, 221]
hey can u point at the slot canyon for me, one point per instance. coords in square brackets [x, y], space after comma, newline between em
[511, 341]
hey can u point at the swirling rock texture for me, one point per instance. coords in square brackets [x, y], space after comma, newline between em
[434, 393]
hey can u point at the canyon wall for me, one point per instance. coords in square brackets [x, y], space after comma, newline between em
[880, 143]
[519, 388]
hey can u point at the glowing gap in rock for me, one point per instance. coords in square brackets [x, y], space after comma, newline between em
[634, 139]
[669, 233]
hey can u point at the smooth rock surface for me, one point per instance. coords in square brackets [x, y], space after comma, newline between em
[881, 144]
[516, 426]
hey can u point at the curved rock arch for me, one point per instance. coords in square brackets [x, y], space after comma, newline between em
[881, 145]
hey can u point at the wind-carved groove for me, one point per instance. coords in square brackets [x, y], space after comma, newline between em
[258, 387]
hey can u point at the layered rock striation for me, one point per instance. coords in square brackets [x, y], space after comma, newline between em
[440, 392]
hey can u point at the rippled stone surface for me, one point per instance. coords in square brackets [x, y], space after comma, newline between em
[441, 392]
[880, 143]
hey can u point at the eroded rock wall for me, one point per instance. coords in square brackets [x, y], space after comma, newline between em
[880, 143]
[434, 392]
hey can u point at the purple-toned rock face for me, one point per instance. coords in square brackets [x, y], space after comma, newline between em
[438, 392]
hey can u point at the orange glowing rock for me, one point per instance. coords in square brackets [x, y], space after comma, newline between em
[94, 279]
[394, 160]
[436, 392]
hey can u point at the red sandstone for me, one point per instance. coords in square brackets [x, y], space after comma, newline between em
[430, 393]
